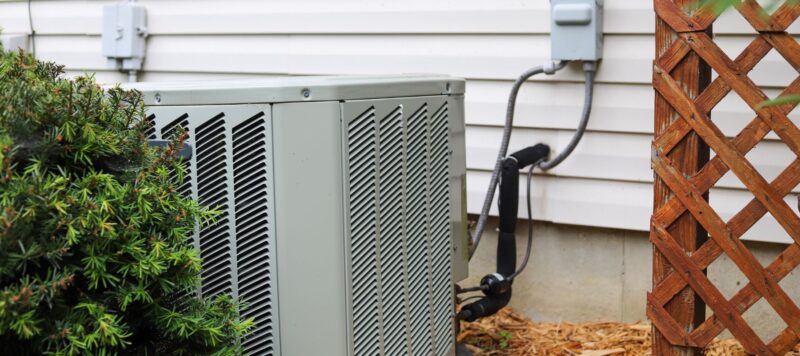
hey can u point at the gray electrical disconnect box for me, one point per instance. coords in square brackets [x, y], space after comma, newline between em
[576, 30]
[124, 32]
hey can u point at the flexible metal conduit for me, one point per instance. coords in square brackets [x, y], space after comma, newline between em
[589, 71]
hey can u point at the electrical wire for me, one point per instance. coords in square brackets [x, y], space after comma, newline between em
[33, 33]
[465, 300]
[132, 76]
[589, 68]
[501, 154]
[468, 290]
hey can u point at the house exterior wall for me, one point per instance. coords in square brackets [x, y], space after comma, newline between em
[605, 184]
[487, 42]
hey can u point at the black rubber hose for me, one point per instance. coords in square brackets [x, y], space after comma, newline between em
[506, 238]
[484, 307]
[508, 201]
[530, 155]
[509, 205]
[475, 239]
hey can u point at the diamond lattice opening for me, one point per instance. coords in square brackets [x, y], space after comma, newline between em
[767, 229]
[773, 72]
[763, 319]
[791, 283]
[770, 158]
[726, 276]
[770, 6]
[794, 114]
[732, 115]
[727, 202]
[734, 45]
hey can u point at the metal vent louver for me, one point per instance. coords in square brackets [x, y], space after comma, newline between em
[418, 209]
[231, 172]
[400, 231]
[250, 166]
[442, 287]
[392, 237]
[150, 132]
[362, 142]
[212, 190]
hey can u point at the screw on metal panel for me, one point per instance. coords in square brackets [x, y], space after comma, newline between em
[306, 93]
[158, 98]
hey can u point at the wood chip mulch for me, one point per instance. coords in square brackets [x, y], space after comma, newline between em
[509, 333]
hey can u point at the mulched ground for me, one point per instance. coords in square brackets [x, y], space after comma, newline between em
[509, 333]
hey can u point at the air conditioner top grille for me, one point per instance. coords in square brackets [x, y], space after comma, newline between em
[296, 89]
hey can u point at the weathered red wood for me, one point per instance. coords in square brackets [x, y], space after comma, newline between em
[671, 13]
[742, 221]
[667, 326]
[787, 46]
[786, 15]
[756, 16]
[696, 278]
[748, 296]
[706, 14]
[686, 310]
[774, 203]
[716, 91]
[740, 166]
[746, 262]
[784, 342]
[681, 195]
[738, 225]
[747, 90]
[673, 55]
[715, 169]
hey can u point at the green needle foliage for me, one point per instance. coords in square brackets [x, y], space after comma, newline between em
[94, 258]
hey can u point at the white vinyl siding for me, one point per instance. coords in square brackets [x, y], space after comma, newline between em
[606, 183]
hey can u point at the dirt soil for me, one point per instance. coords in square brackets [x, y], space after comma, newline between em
[509, 333]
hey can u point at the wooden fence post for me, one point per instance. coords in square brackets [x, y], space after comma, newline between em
[684, 174]
[689, 156]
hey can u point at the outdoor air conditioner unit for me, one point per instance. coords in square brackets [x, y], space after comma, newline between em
[342, 200]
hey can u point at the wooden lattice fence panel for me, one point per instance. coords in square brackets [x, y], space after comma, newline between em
[684, 131]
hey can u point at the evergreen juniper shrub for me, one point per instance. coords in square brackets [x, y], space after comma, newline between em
[94, 258]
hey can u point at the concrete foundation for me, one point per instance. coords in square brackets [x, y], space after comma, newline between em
[581, 273]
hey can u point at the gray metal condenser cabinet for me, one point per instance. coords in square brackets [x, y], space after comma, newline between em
[342, 199]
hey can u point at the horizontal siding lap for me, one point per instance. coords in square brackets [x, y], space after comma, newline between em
[611, 204]
[348, 16]
[607, 155]
[491, 57]
[489, 43]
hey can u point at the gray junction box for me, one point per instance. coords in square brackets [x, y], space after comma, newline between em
[576, 30]
[343, 220]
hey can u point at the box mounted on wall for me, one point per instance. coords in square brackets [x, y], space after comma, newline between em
[576, 30]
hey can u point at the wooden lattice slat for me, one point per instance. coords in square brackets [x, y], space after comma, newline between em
[687, 190]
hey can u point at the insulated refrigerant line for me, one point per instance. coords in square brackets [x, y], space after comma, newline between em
[497, 287]
[549, 68]
[589, 68]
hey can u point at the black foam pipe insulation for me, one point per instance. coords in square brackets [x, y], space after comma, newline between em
[497, 286]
